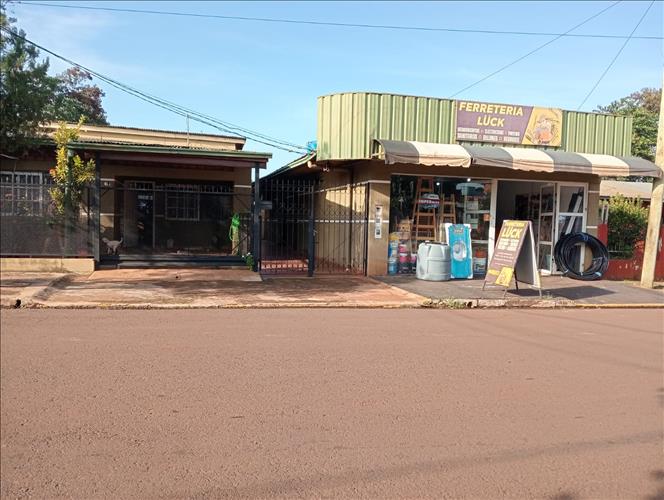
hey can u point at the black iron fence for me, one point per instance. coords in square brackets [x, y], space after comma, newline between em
[127, 219]
[303, 227]
[31, 225]
[173, 220]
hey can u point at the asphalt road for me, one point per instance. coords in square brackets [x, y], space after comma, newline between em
[337, 403]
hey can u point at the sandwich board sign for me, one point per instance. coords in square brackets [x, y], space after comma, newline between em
[514, 257]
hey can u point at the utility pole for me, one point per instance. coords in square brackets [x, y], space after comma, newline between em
[655, 214]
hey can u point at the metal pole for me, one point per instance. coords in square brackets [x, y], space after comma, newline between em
[312, 241]
[349, 263]
[655, 214]
[96, 211]
[256, 218]
[367, 199]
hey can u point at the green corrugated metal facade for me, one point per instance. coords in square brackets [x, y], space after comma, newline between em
[348, 122]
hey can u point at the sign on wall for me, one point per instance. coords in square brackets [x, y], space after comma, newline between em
[508, 123]
[378, 222]
[514, 256]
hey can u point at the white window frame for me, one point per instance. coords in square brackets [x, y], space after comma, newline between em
[583, 214]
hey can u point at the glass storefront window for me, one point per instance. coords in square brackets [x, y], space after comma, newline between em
[545, 261]
[571, 199]
[461, 200]
[570, 217]
[475, 199]
[568, 224]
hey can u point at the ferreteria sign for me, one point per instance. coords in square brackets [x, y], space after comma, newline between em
[508, 123]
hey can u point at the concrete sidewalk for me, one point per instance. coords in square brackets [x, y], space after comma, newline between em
[213, 288]
[240, 288]
[557, 291]
[20, 289]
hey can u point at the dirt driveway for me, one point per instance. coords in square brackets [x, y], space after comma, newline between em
[336, 403]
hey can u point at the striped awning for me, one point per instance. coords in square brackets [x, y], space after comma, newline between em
[530, 159]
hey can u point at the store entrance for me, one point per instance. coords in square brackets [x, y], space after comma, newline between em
[533, 201]
[554, 209]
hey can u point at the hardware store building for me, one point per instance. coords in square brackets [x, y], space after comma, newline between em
[379, 155]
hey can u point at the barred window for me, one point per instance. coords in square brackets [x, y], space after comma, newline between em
[182, 202]
[24, 193]
[226, 188]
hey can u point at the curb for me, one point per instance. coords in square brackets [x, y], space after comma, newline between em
[529, 304]
[449, 304]
[269, 305]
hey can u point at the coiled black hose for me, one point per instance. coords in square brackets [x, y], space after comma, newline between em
[565, 257]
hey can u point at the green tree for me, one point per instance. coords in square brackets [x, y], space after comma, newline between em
[643, 106]
[71, 173]
[29, 97]
[75, 97]
[627, 224]
[26, 89]
[70, 176]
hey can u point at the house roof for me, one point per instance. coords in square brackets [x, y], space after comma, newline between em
[642, 190]
[116, 151]
[111, 134]
[293, 165]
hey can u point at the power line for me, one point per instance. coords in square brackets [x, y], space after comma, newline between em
[540, 47]
[616, 56]
[330, 23]
[173, 107]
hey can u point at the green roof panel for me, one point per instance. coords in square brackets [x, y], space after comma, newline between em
[349, 122]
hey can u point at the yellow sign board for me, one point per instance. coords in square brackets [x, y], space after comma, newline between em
[514, 256]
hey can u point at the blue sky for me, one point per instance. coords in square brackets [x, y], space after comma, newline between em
[266, 76]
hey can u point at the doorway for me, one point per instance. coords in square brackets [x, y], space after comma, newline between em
[554, 209]
[138, 211]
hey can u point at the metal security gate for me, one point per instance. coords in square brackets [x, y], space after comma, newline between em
[341, 229]
[309, 229]
[287, 226]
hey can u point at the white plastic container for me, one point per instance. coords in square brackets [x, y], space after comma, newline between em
[433, 261]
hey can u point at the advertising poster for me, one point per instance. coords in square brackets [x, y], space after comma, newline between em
[458, 238]
[508, 123]
[514, 256]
